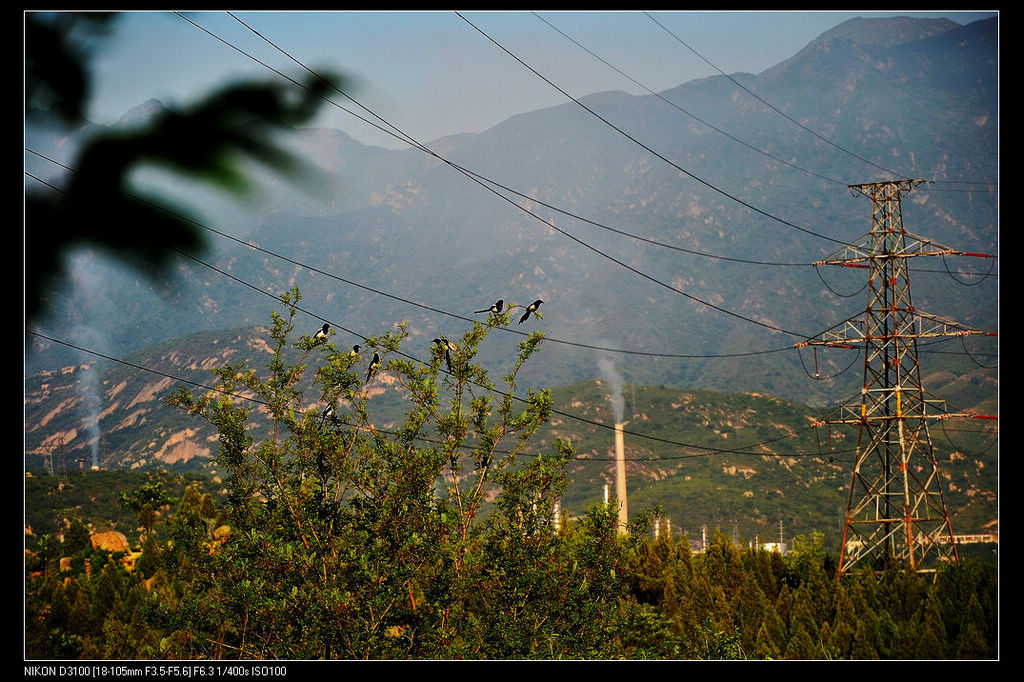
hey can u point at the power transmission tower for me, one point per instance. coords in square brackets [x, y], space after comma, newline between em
[895, 508]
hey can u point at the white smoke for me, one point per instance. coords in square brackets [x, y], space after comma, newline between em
[613, 381]
[86, 293]
[91, 395]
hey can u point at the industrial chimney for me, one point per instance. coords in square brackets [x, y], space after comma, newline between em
[620, 475]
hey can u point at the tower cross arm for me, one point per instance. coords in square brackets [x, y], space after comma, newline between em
[852, 332]
[869, 248]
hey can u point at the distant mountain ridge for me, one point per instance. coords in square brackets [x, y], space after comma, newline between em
[886, 31]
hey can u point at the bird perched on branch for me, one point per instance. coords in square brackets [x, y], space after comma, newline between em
[449, 348]
[321, 334]
[532, 308]
[354, 350]
[374, 366]
[328, 416]
[496, 308]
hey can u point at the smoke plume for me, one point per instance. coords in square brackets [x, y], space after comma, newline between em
[613, 380]
[86, 293]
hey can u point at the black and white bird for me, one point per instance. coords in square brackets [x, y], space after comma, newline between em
[321, 334]
[449, 348]
[496, 308]
[374, 366]
[328, 416]
[532, 308]
[354, 350]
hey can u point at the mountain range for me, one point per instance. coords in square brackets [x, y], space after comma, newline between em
[670, 235]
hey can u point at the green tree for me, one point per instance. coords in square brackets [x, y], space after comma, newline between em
[722, 562]
[145, 501]
[714, 644]
[77, 539]
[432, 539]
[845, 623]
[803, 627]
[751, 607]
[765, 646]
[151, 559]
[802, 644]
[866, 642]
[931, 642]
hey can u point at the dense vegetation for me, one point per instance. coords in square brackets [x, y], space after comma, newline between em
[647, 599]
[439, 539]
[94, 498]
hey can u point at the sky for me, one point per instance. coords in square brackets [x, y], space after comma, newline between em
[436, 73]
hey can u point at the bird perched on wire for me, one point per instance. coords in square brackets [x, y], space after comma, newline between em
[496, 308]
[374, 366]
[532, 308]
[449, 348]
[321, 334]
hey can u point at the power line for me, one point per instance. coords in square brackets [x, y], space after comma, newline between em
[482, 179]
[567, 415]
[772, 106]
[408, 139]
[723, 132]
[644, 146]
[252, 245]
[620, 231]
[802, 126]
[685, 111]
[256, 247]
[502, 393]
[144, 369]
[401, 135]
[708, 449]
[547, 222]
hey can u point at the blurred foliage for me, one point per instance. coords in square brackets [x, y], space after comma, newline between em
[99, 205]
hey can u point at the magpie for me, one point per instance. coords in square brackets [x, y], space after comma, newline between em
[374, 366]
[532, 308]
[496, 308]
[448, 348]
[321, 334]
[328, 415]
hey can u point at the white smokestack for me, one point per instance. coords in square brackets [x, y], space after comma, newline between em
[620, 476]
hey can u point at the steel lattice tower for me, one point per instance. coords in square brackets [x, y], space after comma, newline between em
[895, 507]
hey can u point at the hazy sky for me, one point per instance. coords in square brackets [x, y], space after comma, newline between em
[432, 73]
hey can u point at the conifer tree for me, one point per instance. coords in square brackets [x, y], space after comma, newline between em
[931, 640]
[802, 644]
[77, 539]
[765, 647]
